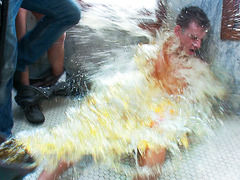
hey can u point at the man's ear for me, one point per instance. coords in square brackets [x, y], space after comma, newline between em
[177, 30]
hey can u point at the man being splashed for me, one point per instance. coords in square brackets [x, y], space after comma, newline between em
[172, 71]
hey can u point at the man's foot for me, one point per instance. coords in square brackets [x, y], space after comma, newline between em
[54, 175]
[34, 114]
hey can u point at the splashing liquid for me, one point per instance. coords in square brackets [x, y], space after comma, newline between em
[130, 106]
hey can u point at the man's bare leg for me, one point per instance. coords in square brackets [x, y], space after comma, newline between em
[56, 56]
[55, 52]
[21, 30]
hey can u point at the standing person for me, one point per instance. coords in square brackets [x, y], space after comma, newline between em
[59, 17]
[55, 53]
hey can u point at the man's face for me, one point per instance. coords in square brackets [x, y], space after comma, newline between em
[191, 37]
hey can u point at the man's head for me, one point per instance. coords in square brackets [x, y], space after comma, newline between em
[192, 26]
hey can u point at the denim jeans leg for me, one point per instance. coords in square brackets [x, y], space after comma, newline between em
[60, 15]
[7, 69]
[6, 118]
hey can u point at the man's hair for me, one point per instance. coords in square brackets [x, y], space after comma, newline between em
[192, 14]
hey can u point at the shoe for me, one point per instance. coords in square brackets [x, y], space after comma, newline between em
[29, 95]
[34, 114]
[59, 88]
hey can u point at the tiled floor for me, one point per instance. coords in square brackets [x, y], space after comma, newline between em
[217, 158]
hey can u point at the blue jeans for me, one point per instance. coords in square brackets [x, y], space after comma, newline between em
[60, 15]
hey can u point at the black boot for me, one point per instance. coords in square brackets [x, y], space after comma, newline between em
[29, 95]
[29, 98]
[34, 114]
